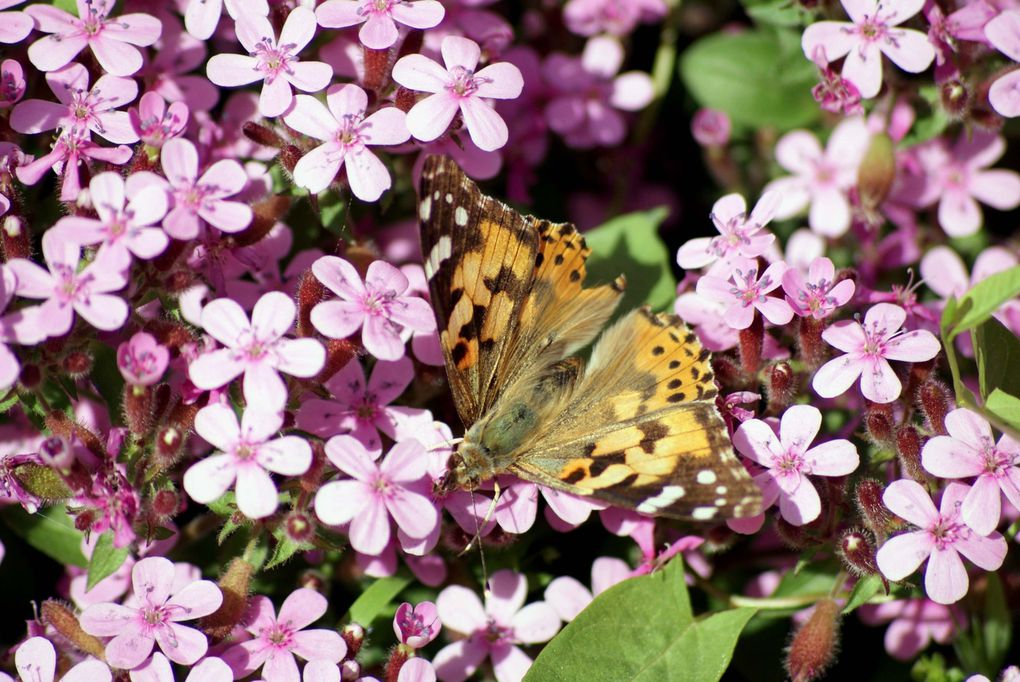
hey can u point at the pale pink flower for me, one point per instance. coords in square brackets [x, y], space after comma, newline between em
[789, 460]
[70, 149]
[14, 26]
[202, 16]
[969, 451]
[569, 597]
[142, 360]
[711, 127]
[941, 538]
[12, 83]
[458, 87]
[414, 670]
[154, 122]
[36, 659]
[871, 32]
[379, 30]
[744, 292]
[169, 73]
[158, 669]
[397, 488]
[615, 17]
[821, 178]
[517, 508]
[945, 273]
[868, 348]
[68, 289]
[80, 109]
[1004, 33]
[112, 40]
[274, 62]
[276, 639]
[347, 133]
[817, 294]
[416, 626]
[199, 199]
[833, 92]
[740, 235]
[256, 349]
[913, 624]
[379, 305]
[706, 316]
[359, 408]
[129, 215]
[152, 616]
[494, 631]
[246, 454]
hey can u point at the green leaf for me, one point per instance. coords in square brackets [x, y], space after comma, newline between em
[284, 549]
[107, 377]
[776, 12]
[815, 579]
[643, 629]
[376, 598]
[978, 304]
[50, 530]
[757, 77]
[997, 629]
[864, 589]
[105, 561]
[997, 352]
[68, 6]
[10, 401]
[1005, 407]
[333, 209]
[631, 245]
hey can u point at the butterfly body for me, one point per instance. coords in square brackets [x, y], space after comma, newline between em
[636, 426]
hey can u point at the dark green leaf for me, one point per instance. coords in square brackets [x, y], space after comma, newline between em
[642, 629]
[816, 579]
[1005, 407]
[864, 589]
[50, 530]
[105, 561]
[284, 549]
[776, 12]
[997, 352]
[978, 304]
[333, 209]
[376, 598]
[756, 77]
[630, 245]
[107, 377]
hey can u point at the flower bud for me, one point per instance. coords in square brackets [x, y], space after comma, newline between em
[812, 348]
[62, 619]
[877, 172]
[711, 127]
[76, 364]
[726, 371]
[751, 341]
[166, 503]
[377, 69]
[782, 385]
[405, 99]
[266, 214]
[955, 98]
[354, 637]
[982, 114]
[137, 402]
[15, 238]
[908, 448]
[935, 402]
[794, 537]
[300, 528]
[168, 443]
[310, 292]
[858, 552]
[235, 584]
[263, 135]
[868, 495]
[398, 657]
[350, 671]
[31, 376]
[289, 156]
[815, 644]
[878, 423]
[338, 353]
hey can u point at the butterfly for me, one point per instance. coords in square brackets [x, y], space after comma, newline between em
[635, 426]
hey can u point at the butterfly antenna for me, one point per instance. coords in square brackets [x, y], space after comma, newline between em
[444, 444]
[481, 550]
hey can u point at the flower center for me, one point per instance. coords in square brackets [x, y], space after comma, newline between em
[377, 7]
[378, 303]
[791, 462]
[872, 29]
[751, 291]
[70, 287]
[349, 133]
[279, 636]
[495, 633]
[464, 82]
[154, 616]
[273, 59]
[946, 531]
[246, 450]
[996, 461]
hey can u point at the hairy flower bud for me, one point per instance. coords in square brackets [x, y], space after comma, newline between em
[751, 341]
[868, 496]
[954, 97]
[812, 348]
[405, 99]
[878, 423]
[781, 386]
[310, 292]
[62, 619]
[338, 353]
[14, 238]
[289, 156]
[795, 537]
[377, 68]
[77, 364]
[815, 644]
[908, 448]
[267, 213]
[935, 402]
[877, 172]
[858, 552]
[350, 670]
[398, 657]
[235, 584]
[263, 135]
[354, 637]
[168, 444]
[166, 503]
[300, 527]
[30, 376]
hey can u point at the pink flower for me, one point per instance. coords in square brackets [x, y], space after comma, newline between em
[591, 17]
[914, 624]
[821, 178]
[278, 638]
[154, 122]
[80, 109]
[970, 450]
[1003, 32]
[362, 409]
[127, 213]
[711, 127]
[198, 199]
[36, 659]
[458, 87]
[941, 538]
[272, 61]
[256, 349]
[68, 151]
[833, 92]
[157, 669]
[517, 507]
[67, 290]
[416, 626]
[817, 295]
[14, 26]
[871, 34]
[379, 19]
[397, 488]
[379, 305]
[569, 597]
[744, 292]
[152, 616]
[112, 40]
[246, 454]
[414, 670]
[142, 360]
[740, 235]
[12, 83]
[868, 348]
[169, 71]
[589, 91]
[347, 133]
[789, 460]
[494, 631]
[10, 369]
[202, 16]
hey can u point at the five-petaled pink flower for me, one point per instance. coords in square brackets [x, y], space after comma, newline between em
[744, 292]
[398, 487]
[380, 18]
[112, 40]
[256, 349]
[246, 454]
[1004, 33]
[278, 638]
[14, 26]
[872, 33]
[942, 537]
[68, 289]
[789, 460]
[492, 631]
[817, 294]
[70, 149]
[740, 236]
[416, 626]
[152, 616]
[913, 624]
[868, 348]
[36, 661]
[970, 451]
[346, 132]
[127, 213]
[379, 305]
[273, 61]
[198, 199]
[154, 122]
[458, 87]
[142, 359]
[202, 16]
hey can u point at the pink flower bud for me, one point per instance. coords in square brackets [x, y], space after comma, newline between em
[142, 360]
[711, 127]
[416, 626]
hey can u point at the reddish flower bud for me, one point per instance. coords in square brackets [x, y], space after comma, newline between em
[751, 341]
[815, 644]
[908, 448]
[168, 443]
[781, 387]
[235, 584]
[166, 260]
[77, 364]
[398, 657]
[30, 376]
[711, 127]
[405, 99]
[310, 292]
[338, 353]
[727, 373]
[935, 401]
[84, 520]
[14, 238]
[289, 156]
[350, 671]
[267, 213]
[858, 552]
[878, 423]
[955, 98]
[300, 528]
[377, 69]
[812, 348]
[165, 503]
[354, 637]
[260, 134]
[792, 536]
[868, 496]
[62, 619]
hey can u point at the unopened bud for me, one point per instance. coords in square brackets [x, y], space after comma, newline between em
[814, 646]
[300, 528]
[858, 552]
[711, 127]
[313, 580]
[16, 243]
[877, 171]
[235, 584]
[794, 537]
[868, 496]
[310, 292]
[260, 134]
[77, 364]
[781, 386]
[955, 98]
[908, 448]
[289, 156]
[168, 443]
[405, 99]
[354, 637]
[62, 619]
[726, 371]
[350, 671]
[338, 353]
[267, 213]
[377, 68]
[397, 659]
[878, 423]
[84, 520]
[934, 399]
[751, 341]
[30, 376]
[165, 503]
[812, 348]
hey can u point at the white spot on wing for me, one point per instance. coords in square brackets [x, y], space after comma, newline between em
[669, 495]
[703, 513]
[706, 477]
[440, 252]
[425, 208]
[460, 216]
[449, 198]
